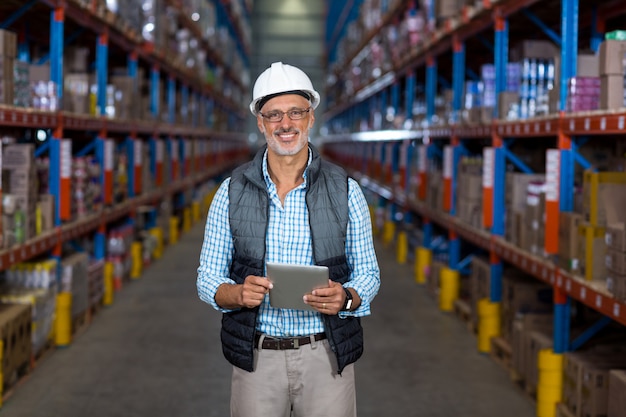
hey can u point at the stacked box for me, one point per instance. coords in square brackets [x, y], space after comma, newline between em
[86, 188]
[469, 191]
[586, 381]
[617, 393]
[21, 84]
[480, 284]
[8, 52]
[522, 295]
[568, 240]
[42, 304]
[76, 93]
[523, 358]
[615, 240]
[583, 94]
[19, 182]
[515, 201]
[612, 60]
[434, 193]
[604, 197]
[591, 259]
[15, 329]
[75, 280]
[95, 279]
[532, 233]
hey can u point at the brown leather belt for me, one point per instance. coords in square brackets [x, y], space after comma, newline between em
[284, 343]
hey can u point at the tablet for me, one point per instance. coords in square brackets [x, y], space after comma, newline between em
[292, 282]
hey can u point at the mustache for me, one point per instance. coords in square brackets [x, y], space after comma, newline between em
[288, 130]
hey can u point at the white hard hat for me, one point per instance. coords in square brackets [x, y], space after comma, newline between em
[282, 79]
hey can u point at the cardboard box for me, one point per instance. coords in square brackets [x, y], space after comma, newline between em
[612, 57]
[15, 329]
[611, 92]
[533, 49]
[592, 252]
[506, 100]
[8, 43]
[18, 155]
[39, 73]
[617, 393]
[568, 238]
[604, 197]
[615, 261]
[595, 387]
[615, 237]
[616, 285]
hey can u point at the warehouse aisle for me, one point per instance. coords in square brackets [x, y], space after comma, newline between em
[156, 353]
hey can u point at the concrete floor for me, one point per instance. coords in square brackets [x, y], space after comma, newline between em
[156, 353]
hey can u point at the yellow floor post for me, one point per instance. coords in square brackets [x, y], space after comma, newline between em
[195, 211]
[550, 382]
[402, 247]
[423, 260]
[488, 323]
[63, 319]
[389, 231]
[449, 283]
[173, 230]
[136, 251]
[186, 219]
[107, 299]
[157, 233]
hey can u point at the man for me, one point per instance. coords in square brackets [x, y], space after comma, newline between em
[288, 205]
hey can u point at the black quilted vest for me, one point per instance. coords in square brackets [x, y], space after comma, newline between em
[327, 203]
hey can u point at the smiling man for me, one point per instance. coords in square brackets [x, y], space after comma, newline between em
[288, 205]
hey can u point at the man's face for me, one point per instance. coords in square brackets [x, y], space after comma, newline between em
[286, 137]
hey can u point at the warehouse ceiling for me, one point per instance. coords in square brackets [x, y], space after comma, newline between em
[298, 32]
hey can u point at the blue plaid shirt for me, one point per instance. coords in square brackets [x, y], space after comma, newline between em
[288, 240]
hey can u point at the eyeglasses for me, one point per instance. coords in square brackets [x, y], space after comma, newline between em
[276, 115]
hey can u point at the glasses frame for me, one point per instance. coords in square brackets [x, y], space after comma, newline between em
[283, 113]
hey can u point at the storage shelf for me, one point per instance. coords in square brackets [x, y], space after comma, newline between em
[592, 294]
[29, 118]
[66, 232]
[103, 22]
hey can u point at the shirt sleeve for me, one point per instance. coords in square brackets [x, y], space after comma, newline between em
[217, 249]
[365, 273]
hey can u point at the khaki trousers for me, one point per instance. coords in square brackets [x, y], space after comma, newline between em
[294, 383]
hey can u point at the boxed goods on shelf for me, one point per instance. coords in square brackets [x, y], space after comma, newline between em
[568, 239]
[615, 240]
[42, 304]
[604, 197]
[469, 192]
[15, 331]
[522, 294]
[480, 281]
[586, 379]
[591, 252]
[75, 280]
[523, 357]
[617, 393]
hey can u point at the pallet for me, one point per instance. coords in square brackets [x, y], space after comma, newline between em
[463, 311]
[563, 411]
[501, 352]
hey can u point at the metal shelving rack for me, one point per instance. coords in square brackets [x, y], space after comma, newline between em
[221, 152]
[381, 148]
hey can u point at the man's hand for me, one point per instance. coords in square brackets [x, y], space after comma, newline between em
[328, 300]
[253, 291]
[250, 294]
